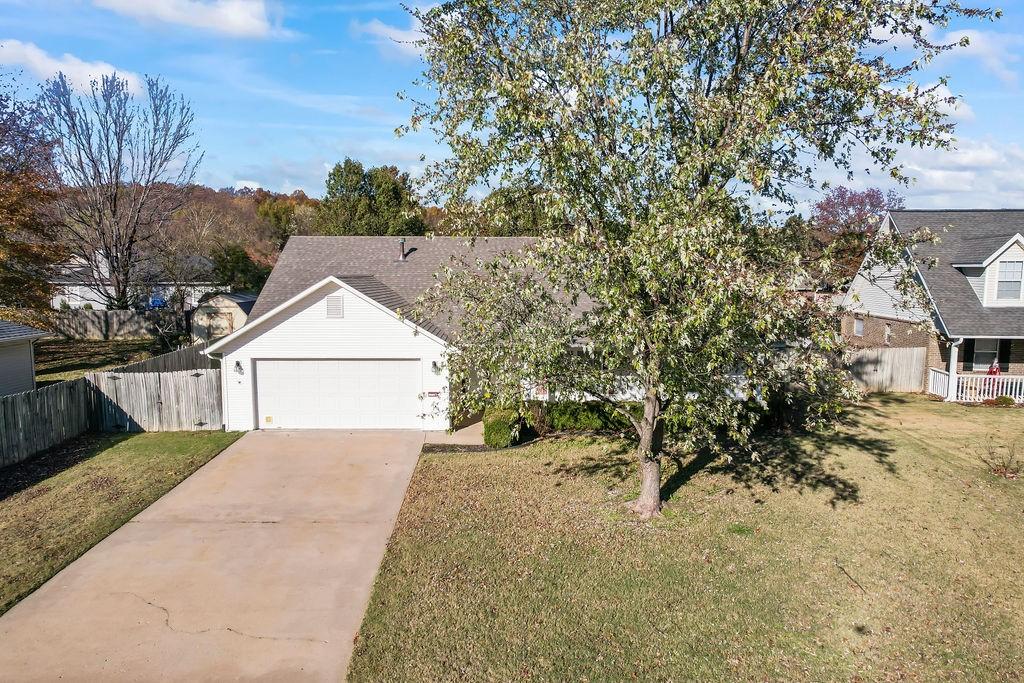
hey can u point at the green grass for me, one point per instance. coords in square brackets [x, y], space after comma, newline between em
[59, 504]
[883, 551]
[58, 360]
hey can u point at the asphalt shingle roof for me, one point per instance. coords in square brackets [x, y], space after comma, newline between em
[372, 266]
[965, 236]
[14, 331]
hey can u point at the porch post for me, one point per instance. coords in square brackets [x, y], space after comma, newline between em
[954, 349]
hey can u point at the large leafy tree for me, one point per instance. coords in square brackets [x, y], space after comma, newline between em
[375, 201]
[29, 249]
[123, 163]
[656, 130]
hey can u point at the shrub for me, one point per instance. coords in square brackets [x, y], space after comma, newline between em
[1005, 401]
[572, 416]
[1002, 461]
[502, 427]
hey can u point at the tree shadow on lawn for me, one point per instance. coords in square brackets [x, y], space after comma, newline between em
[791, 459]
[23, 475]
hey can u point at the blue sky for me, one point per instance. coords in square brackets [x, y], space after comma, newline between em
[282, 90]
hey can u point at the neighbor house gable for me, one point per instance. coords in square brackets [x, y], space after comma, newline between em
[874, 290]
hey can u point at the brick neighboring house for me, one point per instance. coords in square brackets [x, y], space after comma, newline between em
[975, 302]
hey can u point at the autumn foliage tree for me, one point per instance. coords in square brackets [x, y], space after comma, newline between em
[657, 132]
[29, 249]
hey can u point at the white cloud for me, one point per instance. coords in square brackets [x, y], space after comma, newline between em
[998, 53]
[392, 39]
[239, 18]
[958, 110]
[43, 65]
[247, 185]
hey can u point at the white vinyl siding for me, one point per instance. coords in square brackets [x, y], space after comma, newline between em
[304, 332]
[876, 294]
[16, 368]
[976, 278]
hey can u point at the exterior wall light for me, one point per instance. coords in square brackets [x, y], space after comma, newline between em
[436, 367]
[238, 367]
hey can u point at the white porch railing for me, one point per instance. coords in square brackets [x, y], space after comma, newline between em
[977, 388]
[938, 382]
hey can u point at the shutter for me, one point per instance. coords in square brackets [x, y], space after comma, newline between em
[967, 351]
[1004, 354]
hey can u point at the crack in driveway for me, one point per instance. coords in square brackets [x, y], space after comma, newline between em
[167, 623]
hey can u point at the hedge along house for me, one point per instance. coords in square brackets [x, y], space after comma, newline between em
[326, 346]
[975, 302]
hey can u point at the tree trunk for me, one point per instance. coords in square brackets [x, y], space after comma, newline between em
[648, 452]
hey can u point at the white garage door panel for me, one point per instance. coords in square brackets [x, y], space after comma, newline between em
[338, 394]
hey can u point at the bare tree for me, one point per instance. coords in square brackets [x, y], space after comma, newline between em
[123, 165]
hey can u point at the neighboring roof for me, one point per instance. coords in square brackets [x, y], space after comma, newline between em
[964, 235]
[11, 332]
[981, 251]
[372, 266]
[244, 300]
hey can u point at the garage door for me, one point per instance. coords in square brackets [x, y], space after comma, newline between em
[338, 394]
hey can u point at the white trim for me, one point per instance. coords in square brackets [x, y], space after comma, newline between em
[330, 279]
[996, 254]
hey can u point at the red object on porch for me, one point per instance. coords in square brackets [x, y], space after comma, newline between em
[994, 368]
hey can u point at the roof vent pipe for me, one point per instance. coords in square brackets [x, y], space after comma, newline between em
[401, 249]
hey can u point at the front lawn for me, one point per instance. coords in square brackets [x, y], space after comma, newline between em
[58, 360]
[885, 551]
[59, 504]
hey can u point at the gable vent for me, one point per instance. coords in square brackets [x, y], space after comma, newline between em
[334, 307]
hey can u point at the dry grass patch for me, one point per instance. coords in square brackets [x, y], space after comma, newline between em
[58, 360]
[883, 551]
[59, 504]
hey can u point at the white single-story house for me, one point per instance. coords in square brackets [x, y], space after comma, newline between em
[75, 286]
[971, 325]
[17, 357]
[221, 315]
[326, 347]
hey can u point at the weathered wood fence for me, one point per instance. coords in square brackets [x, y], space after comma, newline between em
[33, 421]
[888, 369]
[188, 358]
[186, 400]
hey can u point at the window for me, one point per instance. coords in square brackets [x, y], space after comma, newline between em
[888, 334]
[858, 327]
[334, 307]
[1010, 273]
[985, 352]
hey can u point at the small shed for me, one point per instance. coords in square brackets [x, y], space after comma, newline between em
[221, 314]
[17, 357]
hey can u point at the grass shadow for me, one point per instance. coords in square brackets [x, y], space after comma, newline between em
[784, 459]
[23, 475]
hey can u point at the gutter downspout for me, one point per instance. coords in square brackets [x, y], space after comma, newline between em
[951, 387]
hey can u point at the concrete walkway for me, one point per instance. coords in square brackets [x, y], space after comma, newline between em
[259, 566]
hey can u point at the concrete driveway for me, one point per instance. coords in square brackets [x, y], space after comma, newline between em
[259, 566]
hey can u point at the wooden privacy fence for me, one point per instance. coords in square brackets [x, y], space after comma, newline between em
[188, 358]
[186, 400]
[889, 369]
[33, 421]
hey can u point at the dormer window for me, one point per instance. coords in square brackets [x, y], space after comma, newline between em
[1009, 285]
